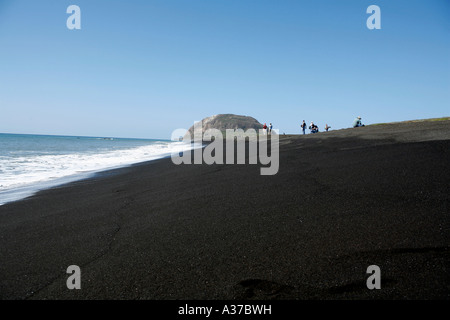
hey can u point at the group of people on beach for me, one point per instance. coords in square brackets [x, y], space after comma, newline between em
[267, 129]
[314, 128]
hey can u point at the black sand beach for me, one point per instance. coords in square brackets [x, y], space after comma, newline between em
[341, 201]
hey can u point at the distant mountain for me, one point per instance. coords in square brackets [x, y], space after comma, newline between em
[228, 121]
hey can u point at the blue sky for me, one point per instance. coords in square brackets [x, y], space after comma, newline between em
[145, 68]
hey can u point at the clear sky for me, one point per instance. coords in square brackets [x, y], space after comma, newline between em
[145, 68]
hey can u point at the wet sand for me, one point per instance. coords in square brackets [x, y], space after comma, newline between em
[341, 201]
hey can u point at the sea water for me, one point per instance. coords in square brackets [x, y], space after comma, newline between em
[29, 163]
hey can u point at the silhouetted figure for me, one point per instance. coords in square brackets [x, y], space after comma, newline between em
[313, 128]
[303, 126]
[357, 122]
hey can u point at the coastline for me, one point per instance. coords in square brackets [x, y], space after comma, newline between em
[25, 190]
[341, 201]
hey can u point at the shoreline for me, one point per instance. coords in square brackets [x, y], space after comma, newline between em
[340, 202]
[61, 182]
[27, 190]
[31, 190]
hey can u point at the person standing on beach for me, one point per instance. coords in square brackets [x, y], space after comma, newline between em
[303, 126]
[327, 127]
[270, 128]
[265, 129]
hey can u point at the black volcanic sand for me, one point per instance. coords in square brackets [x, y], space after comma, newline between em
[341, 201]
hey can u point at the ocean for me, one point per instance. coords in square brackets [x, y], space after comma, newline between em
[29, 163]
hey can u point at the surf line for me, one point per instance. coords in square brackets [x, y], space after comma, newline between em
[213, 152]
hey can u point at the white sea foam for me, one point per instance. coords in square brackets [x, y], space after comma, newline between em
[23, 176]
